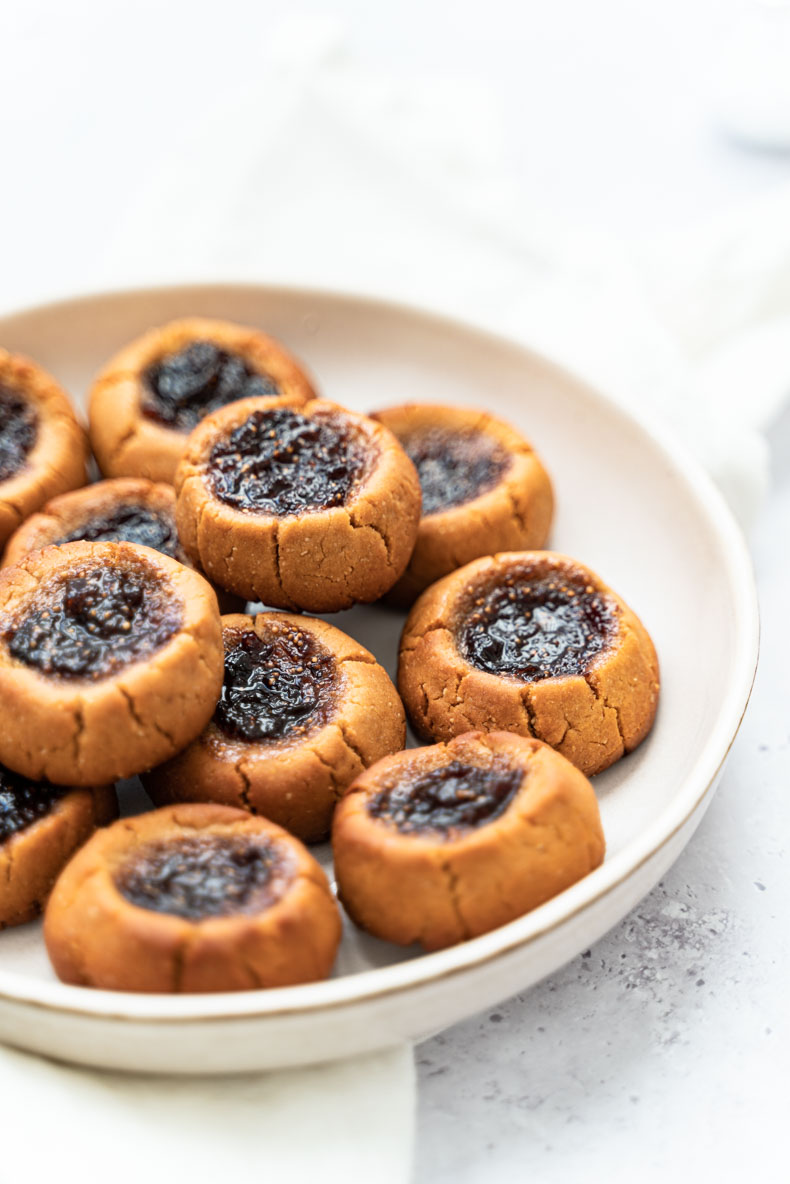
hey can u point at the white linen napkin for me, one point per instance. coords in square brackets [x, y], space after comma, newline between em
[299, 1125]
[324, 175]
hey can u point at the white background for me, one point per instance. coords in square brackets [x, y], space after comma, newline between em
[664, 1050]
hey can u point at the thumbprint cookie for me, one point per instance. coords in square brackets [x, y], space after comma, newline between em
[41, 826]
[483, 490]
[192, 898]
[534, 643]
[304, 709]
[437, 845]
[120, 510]
[110, 661]
[149, 397]
[299, 506]
[43, 449]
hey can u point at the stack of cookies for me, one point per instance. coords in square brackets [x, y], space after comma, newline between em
[228, 483]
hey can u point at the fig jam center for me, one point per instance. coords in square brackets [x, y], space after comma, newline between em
[23, 802]
[129, 524]
[281, 462]
[204, 876]
[453, 797]
[275, 686]
[183, 387]
[89, 625]
[454, 467]
[18, 429]
[537, 628]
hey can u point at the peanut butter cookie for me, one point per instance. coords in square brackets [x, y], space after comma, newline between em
[121, 510]
[41, 826]
[483, 489]
[192, 898]
[149, 397]
[43, 449]
[304, 709]
[301, 506]
[535, 643]
[437, 845]
[110, 661]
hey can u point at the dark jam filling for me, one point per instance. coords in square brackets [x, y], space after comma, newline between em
[92, 624]
[183, 387]
[203, 876]
[129, 524]
[454, 467]
[23, 802]
[454, 797]
[18, 429]
[535, 628]
[281, 462]
[276, 686]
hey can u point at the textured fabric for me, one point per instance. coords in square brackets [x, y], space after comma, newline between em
[351, 1120]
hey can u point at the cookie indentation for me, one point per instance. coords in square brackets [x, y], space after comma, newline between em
[183, 387]
[18, 430]
[23, 802]
[90, 624]
[537, 628]
[128, 523]
[456, 796]
[281, 462]
[204, 876]
[454, 467]
[275, 687]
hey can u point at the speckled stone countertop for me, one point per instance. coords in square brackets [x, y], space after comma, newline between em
[664, 1048]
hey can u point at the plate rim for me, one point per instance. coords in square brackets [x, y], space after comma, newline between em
[370, 986]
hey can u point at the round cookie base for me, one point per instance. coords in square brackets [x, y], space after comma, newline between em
[441, 889]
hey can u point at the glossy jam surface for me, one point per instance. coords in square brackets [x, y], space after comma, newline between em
[537, 627]
[183, 387]
[275, 687]
[18, 429]
[454, 467]
[90, 624]
[23, 802]
[456, 796]
[205, 875]
[281, 462]
[129, 523]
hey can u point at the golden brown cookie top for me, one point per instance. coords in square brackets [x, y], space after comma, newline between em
[460, 453]
[444, 793]
[85, 611]
[43, 449]
[484, 489]
[282, 459]
[124, 509]
[24, 802]
[188, 368]
[159, 387]
[198, 863]
[526, 615]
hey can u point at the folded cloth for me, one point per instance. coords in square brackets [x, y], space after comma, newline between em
[346, 1121]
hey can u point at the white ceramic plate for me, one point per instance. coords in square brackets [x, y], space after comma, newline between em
[647, 520]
